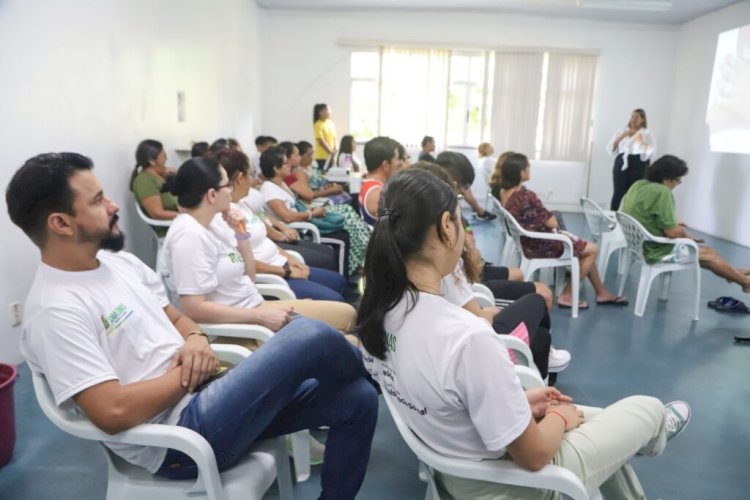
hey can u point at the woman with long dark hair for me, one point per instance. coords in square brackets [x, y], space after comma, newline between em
[451, 377]
[346, 158]
[147, 180]
[633, 147]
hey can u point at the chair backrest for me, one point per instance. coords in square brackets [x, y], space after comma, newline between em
[635, 235]
[596, 219]
[148, 220]
[513, 229]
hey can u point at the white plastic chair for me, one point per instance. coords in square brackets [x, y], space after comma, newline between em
[508, 254]
[606, 233]
[550, 477]
[636, 235]
[152, 223]
[250, 478]
[308, 227]
[530, 265]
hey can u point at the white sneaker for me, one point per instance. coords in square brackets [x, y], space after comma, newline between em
[559, 359]
[676, 417]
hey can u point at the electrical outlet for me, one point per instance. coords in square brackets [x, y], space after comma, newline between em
[15, 313]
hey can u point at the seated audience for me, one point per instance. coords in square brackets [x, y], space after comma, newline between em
[234, 144]
[345, 157]
[382, 161]
[485, 165]
[528, 210]
[283, 202]
[305, 281]
[650, 201]
[526, 307]
[299, 184]
[209, 263]
[505, 283]
[454, 383]
[199, 149]
[315, 254]
[428, 147]
[460, 169]
[98, 325]
[147, 180]
[262, 142]
[218, 145]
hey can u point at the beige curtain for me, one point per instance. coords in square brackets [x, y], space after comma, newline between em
[567, 108]
[414, 86]
[515, 101]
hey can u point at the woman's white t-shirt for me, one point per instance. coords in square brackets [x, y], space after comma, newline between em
[271, 191]
[455, 287]
[264, 249]
[451, 379]
[199, 261]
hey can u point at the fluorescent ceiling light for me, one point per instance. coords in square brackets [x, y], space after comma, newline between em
[641, 5]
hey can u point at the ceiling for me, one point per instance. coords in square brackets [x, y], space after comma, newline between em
[634, 11]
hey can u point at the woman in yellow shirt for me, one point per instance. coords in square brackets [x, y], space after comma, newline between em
[325, 134]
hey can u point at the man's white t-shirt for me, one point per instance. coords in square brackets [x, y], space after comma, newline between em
[87, 327]
[451, 379]
[271, 191]
[199, 261]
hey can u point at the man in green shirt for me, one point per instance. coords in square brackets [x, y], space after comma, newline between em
[651, 202]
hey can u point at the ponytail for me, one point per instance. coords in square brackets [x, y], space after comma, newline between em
[147, 151]
[410, 203]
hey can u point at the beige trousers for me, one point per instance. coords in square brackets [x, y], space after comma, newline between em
[339, 315]
[597, 452]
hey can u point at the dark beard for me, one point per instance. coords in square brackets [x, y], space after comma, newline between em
[108, 240]
[113, 242]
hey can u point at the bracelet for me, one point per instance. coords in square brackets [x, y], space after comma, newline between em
[555, 412]
[242, 236]
[198, 332]
[309, 215]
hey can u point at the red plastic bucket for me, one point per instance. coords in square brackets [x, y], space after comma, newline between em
[8, 376]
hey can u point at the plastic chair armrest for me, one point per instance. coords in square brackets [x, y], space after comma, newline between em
[237, 331]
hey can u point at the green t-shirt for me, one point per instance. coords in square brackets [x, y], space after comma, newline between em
[146, 185]
[651, 204]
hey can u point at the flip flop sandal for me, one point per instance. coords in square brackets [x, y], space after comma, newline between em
[733, 305]
[617, 301]
[720, 301]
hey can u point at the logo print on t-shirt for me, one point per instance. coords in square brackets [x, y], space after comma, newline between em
[390, 342]
[116, 318]
[235, 258]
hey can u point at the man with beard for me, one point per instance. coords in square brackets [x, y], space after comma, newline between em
[99, 326]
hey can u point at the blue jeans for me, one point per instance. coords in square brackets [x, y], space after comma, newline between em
[322, 284]
[306, 376]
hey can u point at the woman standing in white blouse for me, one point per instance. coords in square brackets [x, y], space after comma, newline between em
[634, 147]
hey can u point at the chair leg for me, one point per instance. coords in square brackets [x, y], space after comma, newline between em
[625, 263]
[623, 257]
[603, 258]
[575, 282]
[697, 278]
[644, 285]
[301, 455]
[283, 471]
[666, 283]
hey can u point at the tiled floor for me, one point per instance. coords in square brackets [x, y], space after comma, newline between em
[615, 354]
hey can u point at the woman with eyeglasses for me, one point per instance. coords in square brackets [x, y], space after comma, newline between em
[207, 258]
[650, 201]
[449, 375]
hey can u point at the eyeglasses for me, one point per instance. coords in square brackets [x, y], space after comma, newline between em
[229, 185]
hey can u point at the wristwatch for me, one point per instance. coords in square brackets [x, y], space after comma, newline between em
[287, 270]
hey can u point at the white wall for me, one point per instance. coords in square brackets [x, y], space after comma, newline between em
[96, 77]
[302, 64]
[715, 196]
